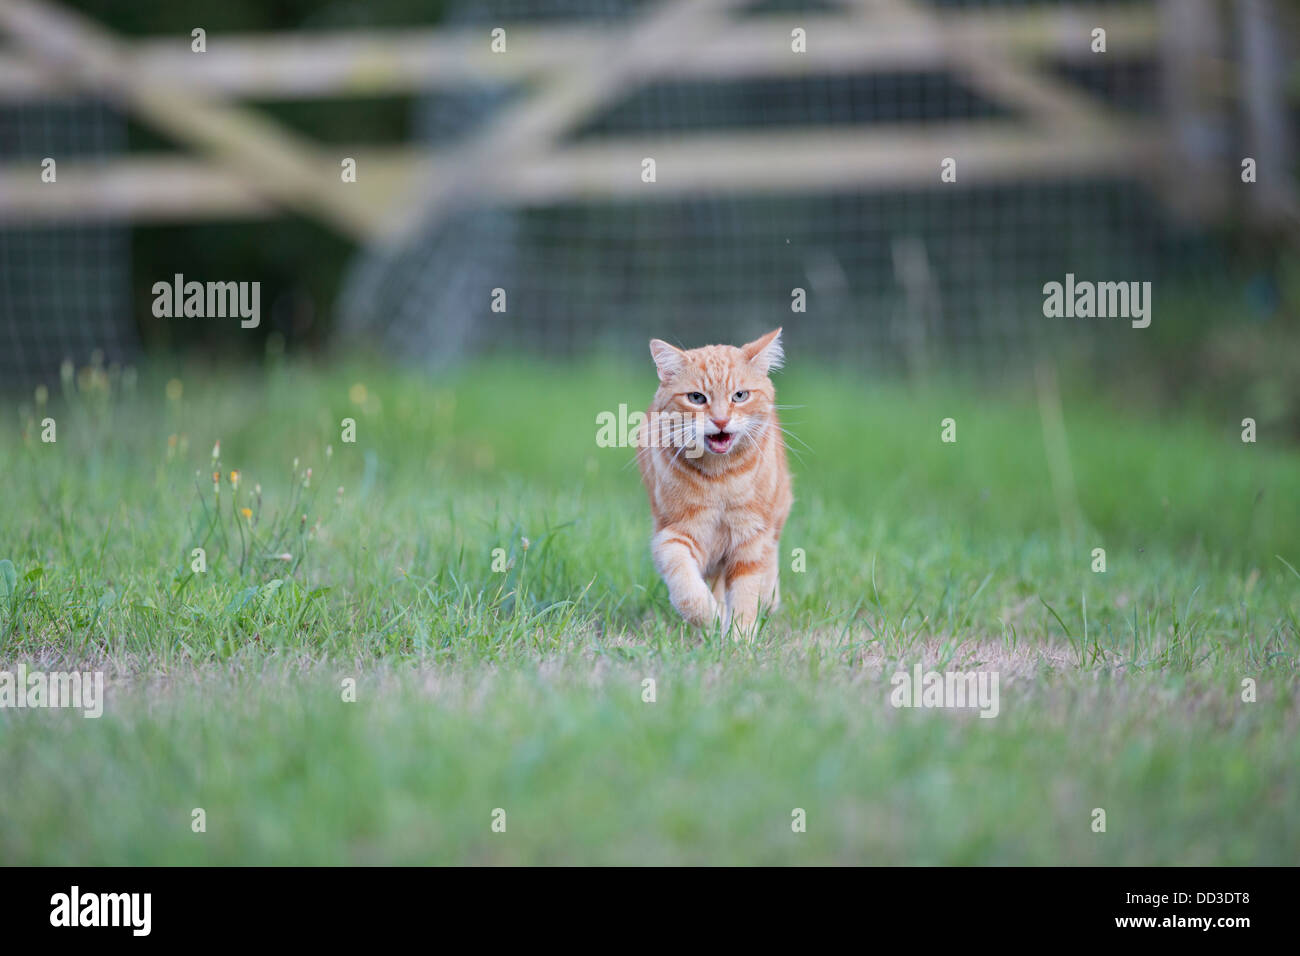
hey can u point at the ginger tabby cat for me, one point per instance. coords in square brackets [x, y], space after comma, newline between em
[720, 488]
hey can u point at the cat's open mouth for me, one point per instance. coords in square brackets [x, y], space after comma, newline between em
[720, 443]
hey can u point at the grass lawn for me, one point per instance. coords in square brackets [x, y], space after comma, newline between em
[522, 689]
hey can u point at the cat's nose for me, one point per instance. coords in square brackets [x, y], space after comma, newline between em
[721, 423]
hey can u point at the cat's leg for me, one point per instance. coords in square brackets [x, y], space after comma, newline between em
[718, 585]
[677, 559]
[772, 578]
[751, 578]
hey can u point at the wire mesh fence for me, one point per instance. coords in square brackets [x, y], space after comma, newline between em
[952, 271]
[882, 273]
[64, 290]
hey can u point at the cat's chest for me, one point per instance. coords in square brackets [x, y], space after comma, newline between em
[725, 527]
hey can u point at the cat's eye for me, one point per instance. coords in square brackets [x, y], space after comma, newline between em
[740, 396]
[697, 398]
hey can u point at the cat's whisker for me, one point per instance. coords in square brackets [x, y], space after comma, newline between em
[635, 459]
[669, 434]
[790, 434]
[797, 454]
[679, 436]
[755, 439]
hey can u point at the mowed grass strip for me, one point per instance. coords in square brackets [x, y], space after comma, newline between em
[711, 772]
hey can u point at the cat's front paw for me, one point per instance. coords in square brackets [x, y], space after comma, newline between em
[701, 610]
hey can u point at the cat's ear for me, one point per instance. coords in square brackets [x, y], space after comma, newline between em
[765, 354]
[669, 360]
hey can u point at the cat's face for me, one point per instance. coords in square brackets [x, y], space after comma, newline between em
[722, 393]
